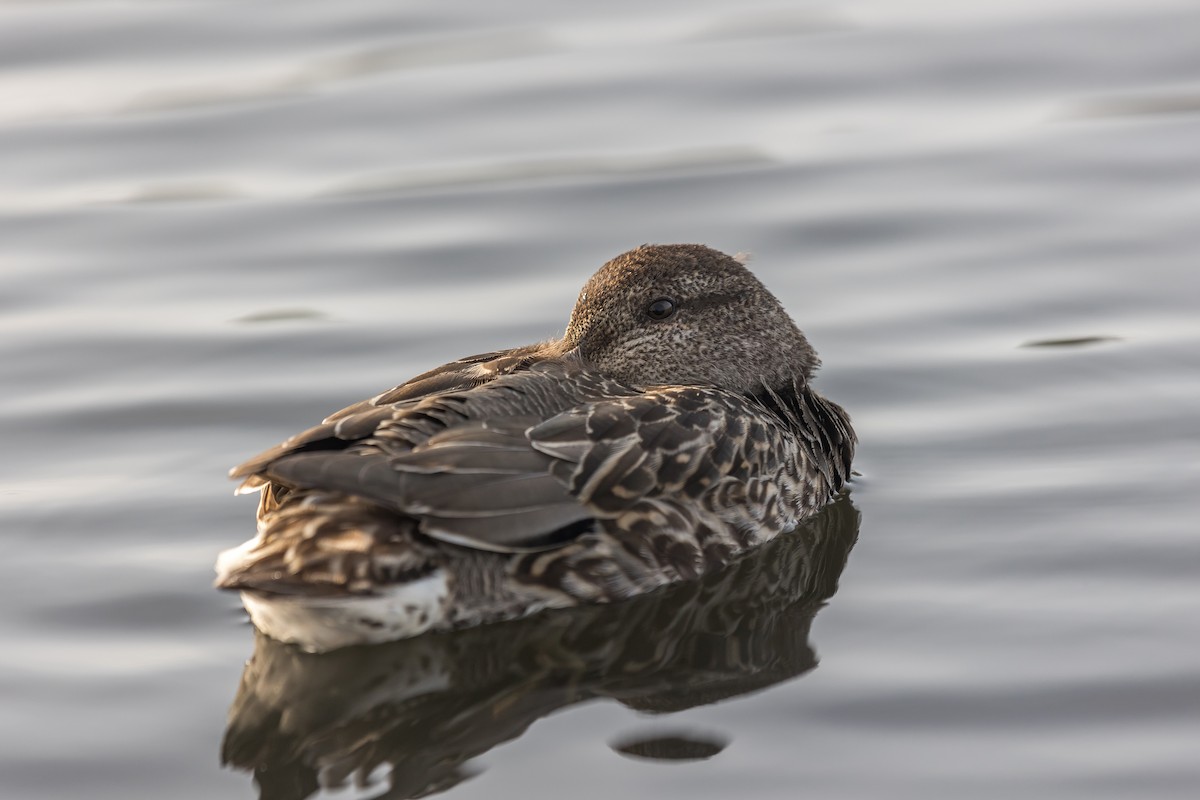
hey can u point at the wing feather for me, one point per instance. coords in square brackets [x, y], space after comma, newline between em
[518, 464]
[478, 485]
[363, 419]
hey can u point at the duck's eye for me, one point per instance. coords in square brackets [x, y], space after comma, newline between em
[661, 309]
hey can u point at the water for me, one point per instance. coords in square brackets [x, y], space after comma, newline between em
[221, 221]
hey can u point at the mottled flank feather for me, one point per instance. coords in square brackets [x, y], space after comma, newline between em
[636, 451]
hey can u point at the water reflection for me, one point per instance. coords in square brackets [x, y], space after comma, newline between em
[418, 710]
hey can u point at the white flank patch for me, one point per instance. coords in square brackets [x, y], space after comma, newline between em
[229, 560]
[326, 623]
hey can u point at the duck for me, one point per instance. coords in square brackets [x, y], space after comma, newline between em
[671, 429]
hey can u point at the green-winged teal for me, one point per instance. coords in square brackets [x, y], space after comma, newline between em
[669, 430]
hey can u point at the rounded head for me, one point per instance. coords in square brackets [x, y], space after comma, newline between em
[687, 314]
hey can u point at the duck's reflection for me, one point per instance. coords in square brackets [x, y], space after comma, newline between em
[419, 709]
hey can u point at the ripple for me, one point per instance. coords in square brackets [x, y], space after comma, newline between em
[1137, 105]
[283, 315]
[182, 192]
[765, 24]
[1074, 341]
[325, 72]
[579, 168]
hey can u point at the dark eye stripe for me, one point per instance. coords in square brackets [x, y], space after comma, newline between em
[709, 300]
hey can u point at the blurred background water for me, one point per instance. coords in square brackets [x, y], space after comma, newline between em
[221, 221]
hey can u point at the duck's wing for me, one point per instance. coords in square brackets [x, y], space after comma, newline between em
[465, 373]
[523, 483]
[476, 484]
[360, 420]
[530, 460]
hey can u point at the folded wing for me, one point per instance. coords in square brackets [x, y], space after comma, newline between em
[476, 484]
[471, 471]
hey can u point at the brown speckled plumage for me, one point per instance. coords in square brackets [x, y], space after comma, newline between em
[632, 453]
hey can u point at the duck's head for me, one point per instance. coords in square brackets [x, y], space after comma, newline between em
[687, 314]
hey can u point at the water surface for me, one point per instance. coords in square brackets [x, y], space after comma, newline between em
[223, 220]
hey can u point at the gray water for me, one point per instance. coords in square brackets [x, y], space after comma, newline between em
[221, 221]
